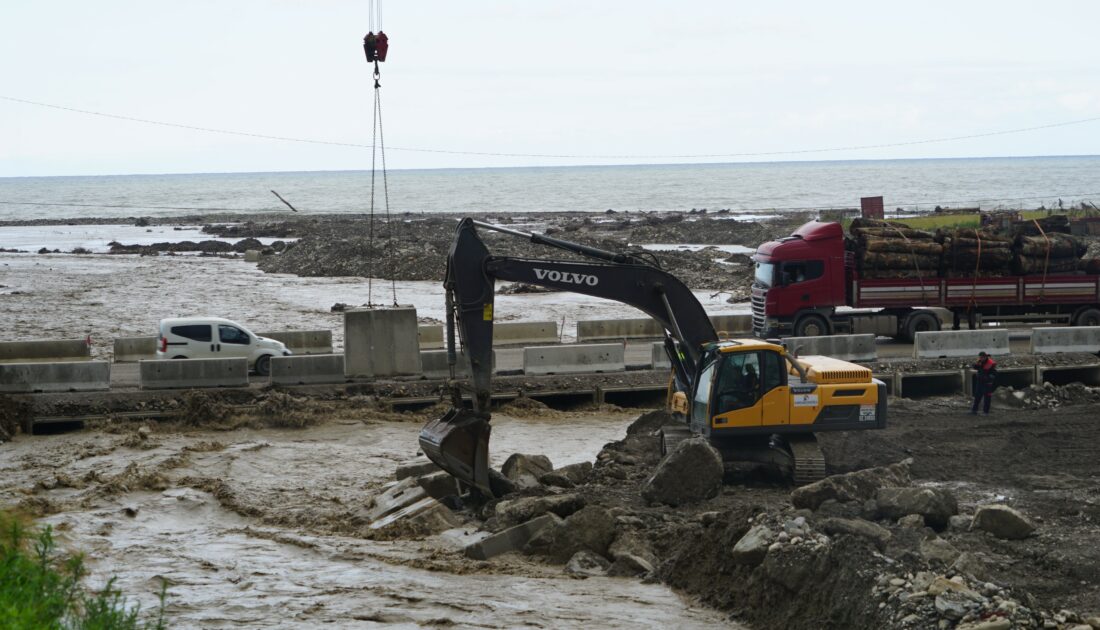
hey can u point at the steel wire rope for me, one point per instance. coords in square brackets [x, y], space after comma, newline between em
[556, 155]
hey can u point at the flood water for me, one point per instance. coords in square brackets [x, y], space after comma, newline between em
[250, 529]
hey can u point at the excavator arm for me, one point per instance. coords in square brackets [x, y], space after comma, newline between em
[458, 442]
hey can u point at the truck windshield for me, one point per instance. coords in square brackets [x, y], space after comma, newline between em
[765, 274]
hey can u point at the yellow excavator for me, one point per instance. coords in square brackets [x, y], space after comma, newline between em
[752, 399]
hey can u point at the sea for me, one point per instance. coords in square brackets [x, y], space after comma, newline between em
[910, 184]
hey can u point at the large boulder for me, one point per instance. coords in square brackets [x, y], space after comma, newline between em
[937, 506]
[938, 551]
[1003, 522]
[751, 549]
[577, 473]
[589, 529]
[525, 470]
[691, 472]
[879, 536]
[587, 564]
[515, 511]
[860, 485]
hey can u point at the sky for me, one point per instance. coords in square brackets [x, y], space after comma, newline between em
[581, 79]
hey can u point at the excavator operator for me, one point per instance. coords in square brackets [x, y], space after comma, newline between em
[739, 384]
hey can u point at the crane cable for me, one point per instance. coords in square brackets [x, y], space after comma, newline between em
[375, 47]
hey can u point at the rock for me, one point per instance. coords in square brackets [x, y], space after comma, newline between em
[832, 507]
[960, 522]
[996, 623]
[1094, 622]
[878, 535]
[629, 543]
[953, 605]
[511, 539]
[525, 470]
[144, 432]
[911, 521]
[691, 472]
[938, 550]
[751, 549]
[416, 468]
[425, 517]
[974, 564]
[855, 486]
[1003, 522]
[590, 528]
[438, 485]
[934, 504]
[515, 511]
[577, 473]
[630, 565]
[942, 585]
[587, 564]
[556, 480]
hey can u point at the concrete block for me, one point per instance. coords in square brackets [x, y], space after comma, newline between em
[574, 359]
[131, 349]
[1014, 377]
[307, 369]
[303, 341]
[1066, 374]
[416, 468]
[426, 516]
[923, 384]
[603, 329]
[438, 484]
[51, 350]
[843, 347]
[511, 539]
[520, 333]
[960, 343]
[252, 255]
[434, 364]
[431, 336]
[732, 325]
[402, 494]
[1065, 339]
[381, 342]
[660, 357]
[190, 373]
[55, 377]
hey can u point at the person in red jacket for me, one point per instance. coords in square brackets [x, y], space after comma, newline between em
[985, 374]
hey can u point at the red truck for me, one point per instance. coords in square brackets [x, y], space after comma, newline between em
[807, 284]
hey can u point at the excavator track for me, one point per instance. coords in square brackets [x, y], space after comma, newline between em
[809, 461]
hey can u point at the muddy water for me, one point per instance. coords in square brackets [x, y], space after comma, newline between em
[257, 528]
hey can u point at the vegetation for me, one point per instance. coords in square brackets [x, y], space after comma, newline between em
[40, 587]
[932, 222]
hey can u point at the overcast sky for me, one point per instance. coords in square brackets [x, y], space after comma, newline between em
[622, 77]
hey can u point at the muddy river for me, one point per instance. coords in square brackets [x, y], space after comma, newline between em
[257, 527]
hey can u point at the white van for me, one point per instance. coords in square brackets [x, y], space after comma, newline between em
[216, 338]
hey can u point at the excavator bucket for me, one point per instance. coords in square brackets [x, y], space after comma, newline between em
[459, 444]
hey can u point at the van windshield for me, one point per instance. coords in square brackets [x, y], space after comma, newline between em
[765, 274]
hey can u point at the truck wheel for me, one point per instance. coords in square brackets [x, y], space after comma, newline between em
[921, 321]
[263, 365]
[811, 326]
[1088, 317]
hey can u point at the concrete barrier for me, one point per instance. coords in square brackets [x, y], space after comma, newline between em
[843, 347]
[51, 350]
[932, 383]
[430, 336]
[959, 343]
[1065, 339]
[191, 373]
[574, 359]
[1066, 374]
[434, 363]
[521, 333]
[131, 349]
[303, 341]
[308, 369]
[381, 342]
[659, 359]
[732, 325]
[648, 328]
[67, 376]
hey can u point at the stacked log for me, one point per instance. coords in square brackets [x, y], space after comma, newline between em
[967, 252]
[1049, 253]
[894, 250]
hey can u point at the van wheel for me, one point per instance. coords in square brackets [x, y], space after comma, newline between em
[263, 365]
[179, 356]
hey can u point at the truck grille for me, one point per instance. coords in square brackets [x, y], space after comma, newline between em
[759, 296]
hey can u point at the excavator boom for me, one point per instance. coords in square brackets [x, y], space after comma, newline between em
[458, 442]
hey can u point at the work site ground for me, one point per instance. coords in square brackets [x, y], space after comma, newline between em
[263, 517]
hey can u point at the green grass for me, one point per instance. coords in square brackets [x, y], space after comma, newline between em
[933, 222]
[40, 587]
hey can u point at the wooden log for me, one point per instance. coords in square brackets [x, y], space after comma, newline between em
[895, 260]
[924, 248]
[893, 232]
[1057, 245]
[972, 243]
[984, 235]
[898, 274]
[874, 223]
[1024, 265]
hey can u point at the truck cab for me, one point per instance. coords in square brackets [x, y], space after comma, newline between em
[799, 282]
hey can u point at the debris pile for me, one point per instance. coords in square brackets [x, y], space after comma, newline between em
[1047, 395]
